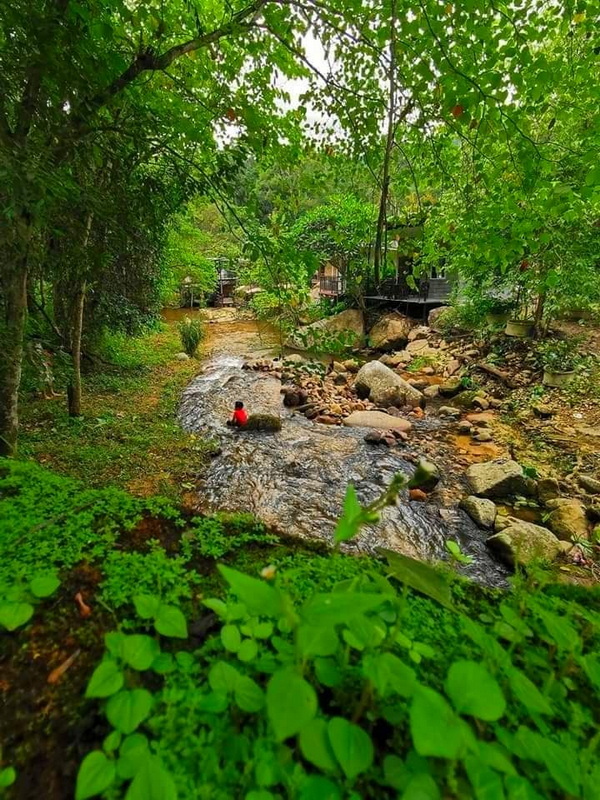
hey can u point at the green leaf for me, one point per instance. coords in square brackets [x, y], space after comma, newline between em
[8, 776]
[318, 788]
[436, 730]
[327, 672]
[395, 773]
[112, 741]
[248, 650]
[258, 596]
[115, 641]
[128, 709]
[248, 694]
[486, 783]
[387, 672]
[133, 753]
[152, 782]
[349, 523]
[351, 745]
[140, 651]
[146, 605]
[315, 640]
[106, 679]
[163, 663]
[44, 585]
[527, 692]
[13, 615]
[338, 607]
[231, 638]
[474, 691]
[421, 787]
[169, 621]
[420, 577]
[291, 703]
[519, 788]
[560, 762]
[214, 702]
[95, 775]
[315, 745]
[222, 677]
[591, 667]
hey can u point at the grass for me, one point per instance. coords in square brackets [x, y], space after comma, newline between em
[128, 436]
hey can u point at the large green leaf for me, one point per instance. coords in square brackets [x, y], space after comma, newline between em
[146, 605]
[315, 745]
[139, 651]
[258, 596]
[169, 621]
[13, 615]
[421, 787]
[527, 692]
[389, 673]
[351, 745]
[315, 787]
[336, 608]
[222, 677]
[95, 775]
[560, 761]
[231, 638]
[44, 585]
[152, 782]
[474, 691]
[248, 694]
[436, 730]
[127, 709]
[317, 640]
[486, 783]
[106, 680]
[291, 703]
[421, 577]
[133, 753]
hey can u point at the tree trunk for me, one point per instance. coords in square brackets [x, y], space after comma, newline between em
[74, 388]
[14, 290]
[391, 128]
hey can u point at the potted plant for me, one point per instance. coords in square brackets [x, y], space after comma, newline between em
[559, 358]
[498, 310]
[522, 325]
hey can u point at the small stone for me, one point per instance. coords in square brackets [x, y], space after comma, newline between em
[420, 332]
[428, 371]
[351, 365]
[523, 542]
[497, 479]
[431, 392]
[417, 494]
[481, 403]
[464, 427]
[482, 512]
[448, 411]
[390, 441]
[450, 387]
[182, 357]
[483, 436]
[338, 367]
[426, 476]
[452, 367]
[542, 411]
[325, 419]
[393, 411]
[373, 437]
[495, 402]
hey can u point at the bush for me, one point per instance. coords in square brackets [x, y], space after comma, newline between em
[191, 332]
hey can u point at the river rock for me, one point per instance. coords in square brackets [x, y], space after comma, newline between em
[567, 519]
[376, 419]
[481, 402]
[351, 365]
[263, 422]
[419, 332]
[464, 427]
[523, 542]
[547, 489]
[390, 332]
[417, 494]
[432, 391]
[426, 476]
[483, 436]
[419, 347]
[589, 484]
[482, 512]
[294, 358]
[384, 387]
[448, 411]
[435, 318]
[394, 360]
[450, 387]
[497, 479]
[351, 320]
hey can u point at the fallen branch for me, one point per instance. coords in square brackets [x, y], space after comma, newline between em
[505, 377]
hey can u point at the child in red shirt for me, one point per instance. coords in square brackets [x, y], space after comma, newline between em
[239, 417]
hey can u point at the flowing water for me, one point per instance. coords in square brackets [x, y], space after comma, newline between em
[295, 480]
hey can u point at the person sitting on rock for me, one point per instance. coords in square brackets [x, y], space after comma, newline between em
[239, 418]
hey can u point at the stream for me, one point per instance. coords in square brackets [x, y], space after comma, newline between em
[295, 480]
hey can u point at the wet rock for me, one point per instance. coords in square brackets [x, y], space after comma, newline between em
[374, 437]
[482, 512]
[464, 427]
[263, 422]
[426, 476]
[589, 483]
[448, 411]
[450, 387]
[547, 489]
[523, 542]
[481, 403]
[376, 419]
[182, 357]
[417, 494]
[384, 387]
[324, 419]
[567, 519]
[431, 392]
[497, 479]
[390, 332]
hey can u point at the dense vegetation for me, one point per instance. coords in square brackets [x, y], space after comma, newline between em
[142, 147]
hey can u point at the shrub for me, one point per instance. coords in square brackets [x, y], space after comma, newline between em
[191, 332]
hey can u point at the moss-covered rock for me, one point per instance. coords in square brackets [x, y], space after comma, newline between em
[263, 422]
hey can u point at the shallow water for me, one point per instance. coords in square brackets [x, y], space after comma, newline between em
[295, 480]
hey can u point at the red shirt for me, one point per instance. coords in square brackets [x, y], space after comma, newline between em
[240, 416]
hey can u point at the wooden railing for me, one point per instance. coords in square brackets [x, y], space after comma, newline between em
[331, 285]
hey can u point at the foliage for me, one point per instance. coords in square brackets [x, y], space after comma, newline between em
[320, 340]
[559, 355]
[191, 333]
[218, 535]
[16, 599]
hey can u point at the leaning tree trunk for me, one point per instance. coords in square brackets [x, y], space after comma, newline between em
[14, 291]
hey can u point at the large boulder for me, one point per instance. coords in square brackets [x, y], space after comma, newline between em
[497, 479]
[567, 519]
[390, 332]
[482, 512]
[377, 419]
[523, 542]
[384, 387]
[349, 322]
[434, 318]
